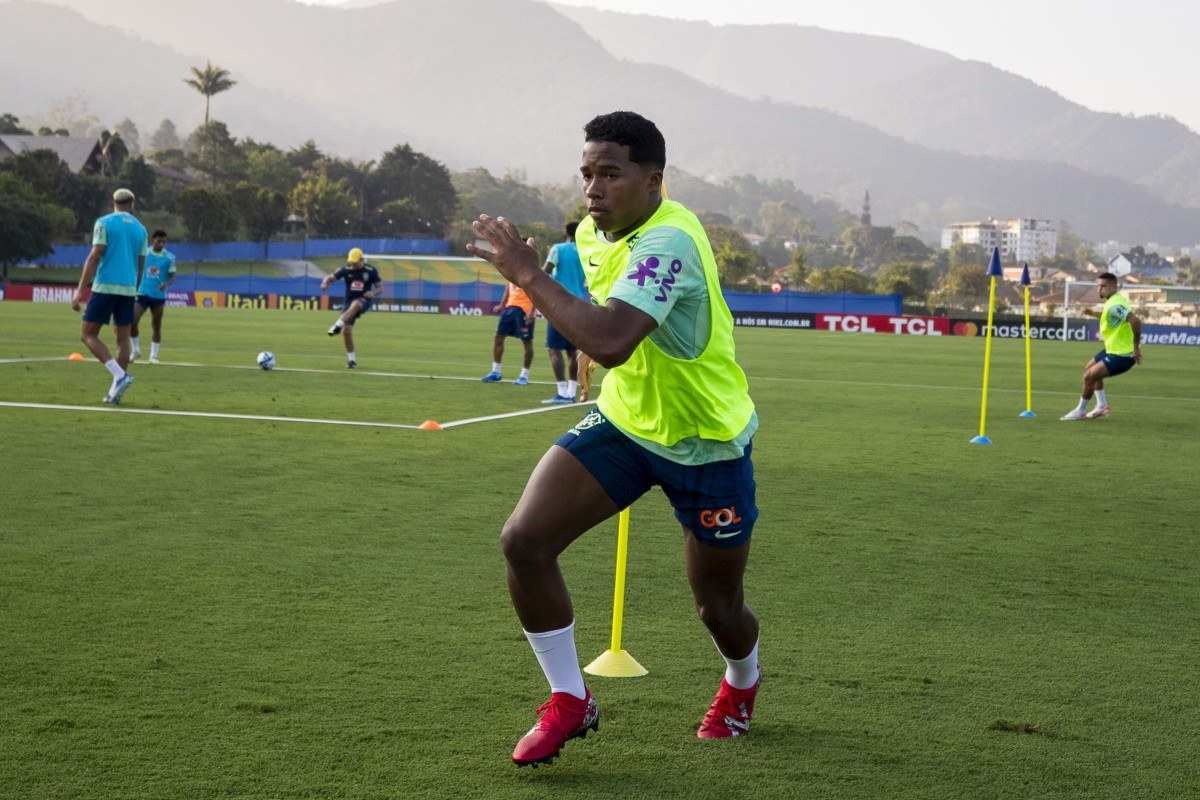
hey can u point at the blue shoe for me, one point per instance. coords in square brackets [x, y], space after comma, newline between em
[520, 381]
[558, 400]
[119, 391]
[493, 377]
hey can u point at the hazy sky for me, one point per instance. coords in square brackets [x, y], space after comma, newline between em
[1110, 55]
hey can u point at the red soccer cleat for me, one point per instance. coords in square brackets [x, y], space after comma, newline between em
[560, 719]
[730, 712]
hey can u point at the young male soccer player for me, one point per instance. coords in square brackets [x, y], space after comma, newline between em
[674, 411]
[157, 277]
[363, 285]
[563, 263]
[1121, 331]
[113, 269]
[516, 320]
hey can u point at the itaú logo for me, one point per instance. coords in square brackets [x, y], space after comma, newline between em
[719, 518]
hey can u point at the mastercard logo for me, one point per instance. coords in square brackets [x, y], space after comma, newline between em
[966, 329]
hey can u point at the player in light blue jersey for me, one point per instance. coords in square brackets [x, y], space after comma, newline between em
[157, 277]
[562, 262]
[112, 269]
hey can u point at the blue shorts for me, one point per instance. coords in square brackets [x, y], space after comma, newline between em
[103, 308]
[555, 340]
[146, 301]
[1115, 364]
[713, 501]
[513, 323]
[366, 306]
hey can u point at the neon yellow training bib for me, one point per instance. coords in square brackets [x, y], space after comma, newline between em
[655, 396]
[1115, 329]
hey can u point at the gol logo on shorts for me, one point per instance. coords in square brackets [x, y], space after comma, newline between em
[720, 517]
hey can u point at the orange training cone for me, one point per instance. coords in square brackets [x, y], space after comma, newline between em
[75, 357]
[430, 425]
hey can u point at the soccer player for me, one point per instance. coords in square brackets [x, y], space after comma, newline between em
[363, 285]
[516, 320]
[113, 269]
[674, 411]
[1121, 331]
[562, 262]
[157, 277]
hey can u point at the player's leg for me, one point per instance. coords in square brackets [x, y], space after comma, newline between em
[1094, 371]
[494, 375]
[351, 313]
[583, 374]
[572, 371]
[716, 505]
[525, 334]
[122, 323]
[134, 333]
[156, 320]
[557, 365]
[1110, 367]
[348, 339]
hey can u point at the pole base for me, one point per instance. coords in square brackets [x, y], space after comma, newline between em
[981, 440]
[1027, 414]
[616, 664]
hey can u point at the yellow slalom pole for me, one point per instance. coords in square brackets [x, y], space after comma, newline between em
[1028, 412]
[615, 662]
[994, 271]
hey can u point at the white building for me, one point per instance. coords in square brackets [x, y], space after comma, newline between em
[1018, 239]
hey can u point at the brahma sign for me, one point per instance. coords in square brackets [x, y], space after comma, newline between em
[880, 323]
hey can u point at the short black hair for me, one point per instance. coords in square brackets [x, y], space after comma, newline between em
[643, 138]
[158, 233]
[1108, 276]
[570, 229]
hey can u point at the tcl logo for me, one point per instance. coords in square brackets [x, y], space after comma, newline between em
[872, 323]
[719, 518]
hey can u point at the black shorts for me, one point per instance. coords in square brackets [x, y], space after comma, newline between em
[146, 301]
[556, 341]
[1116, 365]
[716, 501]
[513, 323]
[103, 308]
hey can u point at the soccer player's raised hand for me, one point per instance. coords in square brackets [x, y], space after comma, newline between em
[514, 258]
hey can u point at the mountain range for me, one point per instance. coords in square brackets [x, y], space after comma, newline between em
[508, 84]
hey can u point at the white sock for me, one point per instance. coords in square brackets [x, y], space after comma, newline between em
[562, 388]
[743, 672]
[555, 651]
[137, 345]
[572, 389]
[1082, 405]
[495, 366]
[154, 349]
[525, 372]
[350, 357]
[114, 369]
[1101, 399]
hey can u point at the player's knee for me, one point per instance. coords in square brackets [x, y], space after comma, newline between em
[519, 544]
[718, 612]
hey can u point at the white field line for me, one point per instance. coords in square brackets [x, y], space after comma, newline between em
[779, 378]
[458, 423]
[206, 414]
[31, 360]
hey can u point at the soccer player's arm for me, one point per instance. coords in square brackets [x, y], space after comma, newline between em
[331, 277]
[503, 300]
[551, 260]
[1135, 322]
[608, 333]
[141, 262]
[91, 263]
[170, 275]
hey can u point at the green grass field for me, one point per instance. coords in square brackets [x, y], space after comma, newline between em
[208, 608]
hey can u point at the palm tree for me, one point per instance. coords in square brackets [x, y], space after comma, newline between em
[209, 81]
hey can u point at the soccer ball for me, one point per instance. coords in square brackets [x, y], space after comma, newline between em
[266, 359]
